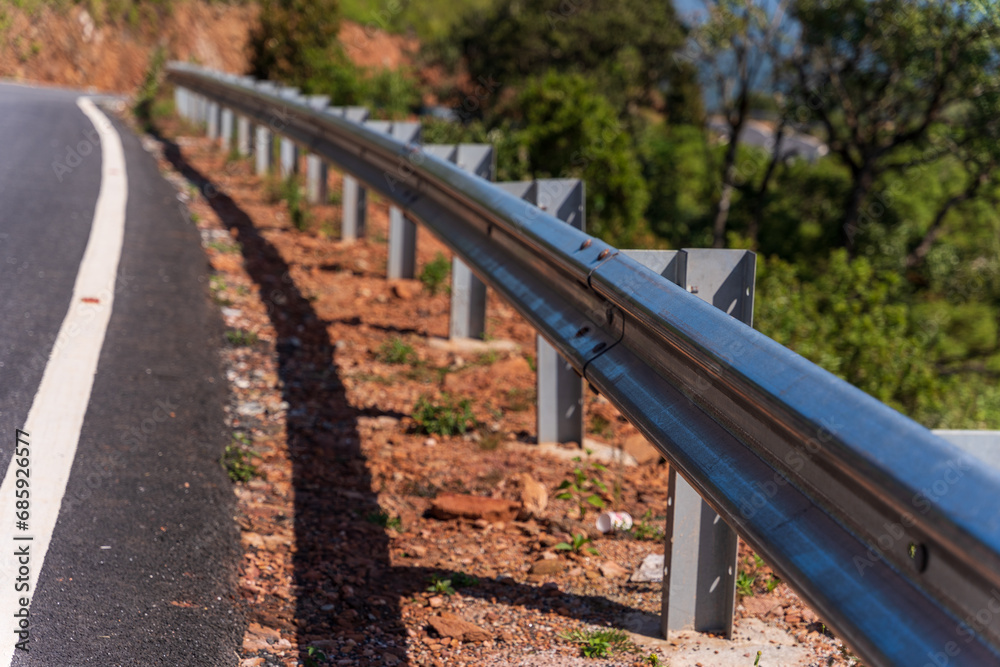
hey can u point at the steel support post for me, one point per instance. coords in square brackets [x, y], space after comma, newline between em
[354, 209]
[402, 246]
[179, 101]
[699, 566]
[560, 388]
[243, 133]
[227, 128]
[288, 160]
[212, 122]
[468, 293]
[262, 150]
[316, 169]
[353, 200]
[402, 231]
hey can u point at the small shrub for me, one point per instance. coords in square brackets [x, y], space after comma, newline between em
[644, 530]
[435, 273]
[237, 460]
[583, 488]
[744, 583]
[382, 518]
[463, 580]
[599, 643]
[293, 196]
[395, 351]
[445, 418]
[440, 585]
[241, 338]
[578, 544]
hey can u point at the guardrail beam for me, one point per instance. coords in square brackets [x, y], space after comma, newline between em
[891, 534]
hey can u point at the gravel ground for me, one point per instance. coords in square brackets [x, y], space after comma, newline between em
[327, 363]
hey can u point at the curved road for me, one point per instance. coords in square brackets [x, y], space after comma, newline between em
[108, 355]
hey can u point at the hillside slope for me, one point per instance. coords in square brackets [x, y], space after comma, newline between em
[68, 47]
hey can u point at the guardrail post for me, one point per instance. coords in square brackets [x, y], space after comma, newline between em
[263, 142]
[227, 128]
[560, 388]
[212, 120]
[179, 101]
[700, 562]
[244, 128]
[289, 152]
[243, 135]
[402, 262]
[316, 170]
[353, 199]
[468, 293]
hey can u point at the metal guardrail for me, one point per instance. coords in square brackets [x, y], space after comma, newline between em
[890, 533]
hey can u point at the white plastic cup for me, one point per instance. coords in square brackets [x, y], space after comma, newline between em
[609, 521]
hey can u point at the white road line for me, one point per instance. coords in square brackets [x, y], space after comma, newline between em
[57, 412]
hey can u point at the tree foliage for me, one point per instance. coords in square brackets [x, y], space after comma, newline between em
[628, 48]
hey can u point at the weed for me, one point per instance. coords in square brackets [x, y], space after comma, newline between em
[519, 400]
[744, 583]
[241, 338]
[335, 197]
[143, 108]
[444, 418]
[490, 442]
[297, 211]
[757, 661]
[486, 359]
[237, 460]
[583, 489]
[772, 583]
[653, 660]
[600, 426]
[463, 580]
[313, 655]
[598, 643]
[644, 530]
[532, 364]
[395, 351]
[382, 518]
[440, 585]
[435, 273]
[195, 218]
[225, 248]
[579, 542]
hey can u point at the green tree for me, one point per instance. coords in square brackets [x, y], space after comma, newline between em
[626, 47]
[567, 129]
[295, 41]
[740, 46]
[882, 76]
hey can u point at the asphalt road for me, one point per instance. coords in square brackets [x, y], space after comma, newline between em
[141, 565]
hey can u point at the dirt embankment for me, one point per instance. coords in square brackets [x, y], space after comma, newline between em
[69, 47]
